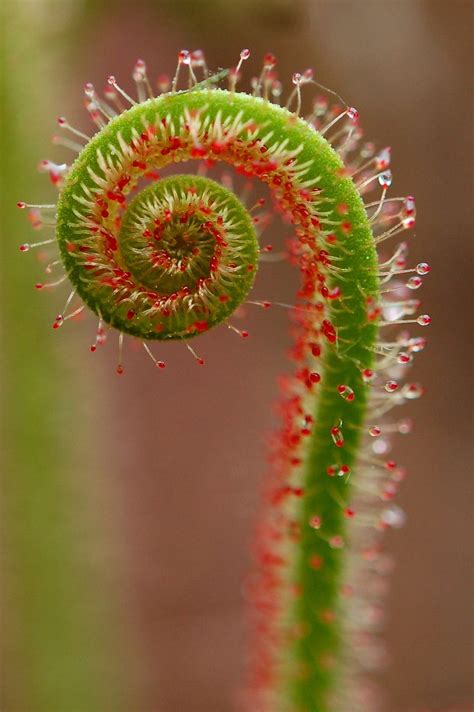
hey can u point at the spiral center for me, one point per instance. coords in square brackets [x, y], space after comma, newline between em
[192, 246]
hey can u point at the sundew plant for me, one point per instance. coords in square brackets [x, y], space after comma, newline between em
[158, 258]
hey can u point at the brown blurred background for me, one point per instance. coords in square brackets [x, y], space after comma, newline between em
[178, 456]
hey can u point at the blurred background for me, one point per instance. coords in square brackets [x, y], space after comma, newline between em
[128, 503]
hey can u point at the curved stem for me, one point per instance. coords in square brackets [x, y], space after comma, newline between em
[299, 639]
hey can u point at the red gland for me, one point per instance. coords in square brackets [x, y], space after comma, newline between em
[329, 331]
[315, 562]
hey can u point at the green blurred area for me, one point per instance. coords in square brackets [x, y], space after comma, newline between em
[58, 648]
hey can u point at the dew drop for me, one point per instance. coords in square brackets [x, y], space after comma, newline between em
[367, 375]
[337, 437]
[423, 320]
[412, 391]
[382, 160]
[380, 446]
[405, 426]
[409, 205]
[329, 331]
[277, 88]
[389, 492]
[269, 60]
[163, 82]
[391, 386]
[417, 344]
[346, 392]
[393, 517]
[414, 283]
[385, 179]
[404, 357]
[423, 268]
